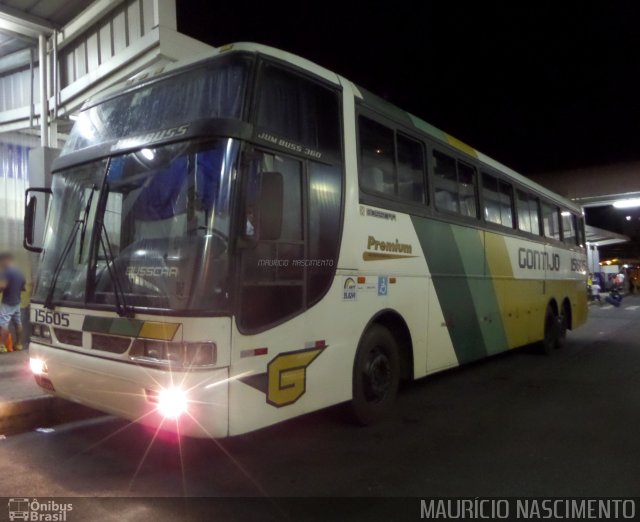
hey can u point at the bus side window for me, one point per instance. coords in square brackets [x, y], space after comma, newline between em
[410, 169]
[528, 220]
[550, 221]
[569, 235]
[505, 191]
[272, 282]
[376, 157]
[491, 199]
[467, 190]
[581, 240]
[445, 182]
[534, 212]
[325, 197]
[301, 110]
[498, 200]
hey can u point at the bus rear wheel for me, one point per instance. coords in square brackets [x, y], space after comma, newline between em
[554, 331]
[376, 375]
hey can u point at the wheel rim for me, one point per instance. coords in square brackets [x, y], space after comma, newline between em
[376, 375]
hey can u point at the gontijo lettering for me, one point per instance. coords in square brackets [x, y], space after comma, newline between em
[538, 260]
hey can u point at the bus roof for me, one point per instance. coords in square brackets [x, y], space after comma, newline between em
[372, 100]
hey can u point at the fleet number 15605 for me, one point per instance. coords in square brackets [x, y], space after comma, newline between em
[54, 318]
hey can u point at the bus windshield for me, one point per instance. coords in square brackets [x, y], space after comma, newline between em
[216, 90]
[150, 227]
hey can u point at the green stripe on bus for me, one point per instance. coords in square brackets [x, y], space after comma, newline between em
[126, 327]
[92, 323]
[110, 325]
[482, 286]
[453, 290]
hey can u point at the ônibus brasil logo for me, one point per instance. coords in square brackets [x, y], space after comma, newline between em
[37, 510]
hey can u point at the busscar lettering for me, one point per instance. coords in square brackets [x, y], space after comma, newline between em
[538, 260]
[163, 134]
[152, 271]
[388, 246]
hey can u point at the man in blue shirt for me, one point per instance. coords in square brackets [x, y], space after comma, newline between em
[11, 284]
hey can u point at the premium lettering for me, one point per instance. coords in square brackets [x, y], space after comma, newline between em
[388, 246]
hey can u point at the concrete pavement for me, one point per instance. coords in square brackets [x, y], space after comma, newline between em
[24, 405]
[518, 424]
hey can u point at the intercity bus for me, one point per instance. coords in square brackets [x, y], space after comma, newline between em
[248, 237]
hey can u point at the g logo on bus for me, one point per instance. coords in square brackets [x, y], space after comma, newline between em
[287, 376]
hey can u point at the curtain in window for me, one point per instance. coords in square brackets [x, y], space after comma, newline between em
[212, 92]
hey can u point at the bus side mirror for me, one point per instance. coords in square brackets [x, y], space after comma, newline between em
[270, 206]
[30, 208]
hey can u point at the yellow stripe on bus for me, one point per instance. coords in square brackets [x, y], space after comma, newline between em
[161, 331]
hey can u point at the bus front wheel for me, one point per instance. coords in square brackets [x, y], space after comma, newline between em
[376, 375]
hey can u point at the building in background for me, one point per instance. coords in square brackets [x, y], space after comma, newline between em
[54, 54]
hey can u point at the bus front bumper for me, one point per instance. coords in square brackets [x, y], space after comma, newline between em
[193, 403]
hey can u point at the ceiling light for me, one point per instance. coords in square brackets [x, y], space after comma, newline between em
[627, 203]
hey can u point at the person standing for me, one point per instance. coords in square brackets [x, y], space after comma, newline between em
[12, 283]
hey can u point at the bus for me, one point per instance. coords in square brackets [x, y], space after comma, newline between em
[248, 237]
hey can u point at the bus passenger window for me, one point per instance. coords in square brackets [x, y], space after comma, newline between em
[528, 213]
[491, 199]
[506, 203]
[298, 109]
[550, 220]
[445, 183]
[467, 190]
[569, 235]
[410, 170]
[377, 157]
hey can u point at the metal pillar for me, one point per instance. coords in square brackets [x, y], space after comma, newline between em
[44, 109]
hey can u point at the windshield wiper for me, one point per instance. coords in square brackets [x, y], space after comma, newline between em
[48, 303]
[87, 208]
[122, 308]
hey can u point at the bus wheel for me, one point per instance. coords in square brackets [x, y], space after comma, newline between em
[376, 375]
[562, 329]
[551, 331]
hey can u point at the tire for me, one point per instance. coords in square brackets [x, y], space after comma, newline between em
[376, 376]
[563, 326]
[550, 341]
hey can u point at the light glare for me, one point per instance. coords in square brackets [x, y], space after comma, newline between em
[37, 366]
[172, 402]
[148, 153]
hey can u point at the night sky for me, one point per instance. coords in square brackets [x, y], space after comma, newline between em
[540, 89]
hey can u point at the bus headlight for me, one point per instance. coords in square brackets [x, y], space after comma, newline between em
[37, 365]
[172, 402]
[182, 355]
[41, 331]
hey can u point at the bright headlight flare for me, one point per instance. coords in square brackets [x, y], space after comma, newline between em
[172, 402]
[37, 365]
[179, 355]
